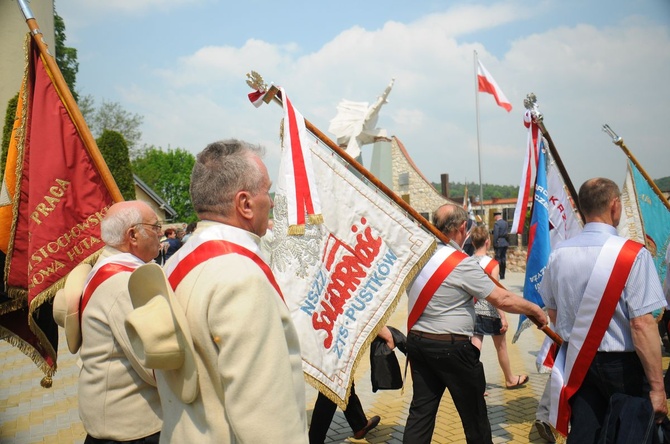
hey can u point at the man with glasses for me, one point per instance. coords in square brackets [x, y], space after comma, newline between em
[118, 399]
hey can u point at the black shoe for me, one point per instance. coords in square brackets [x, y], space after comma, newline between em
[544, 430]
[372, 423]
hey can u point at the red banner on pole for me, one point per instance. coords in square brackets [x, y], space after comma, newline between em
[57, 205]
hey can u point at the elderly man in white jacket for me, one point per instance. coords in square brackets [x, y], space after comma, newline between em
[118, 399]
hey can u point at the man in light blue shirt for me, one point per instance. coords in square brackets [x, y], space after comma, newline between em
[629, 354]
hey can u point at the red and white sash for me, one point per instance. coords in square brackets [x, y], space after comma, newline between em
[215, 241]
[105, 269]
[601, 297]
[488, 264]
[445, 259]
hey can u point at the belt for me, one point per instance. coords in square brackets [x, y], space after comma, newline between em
[446, 337]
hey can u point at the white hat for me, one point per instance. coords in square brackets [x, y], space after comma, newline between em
[66, 305]
[159, 333]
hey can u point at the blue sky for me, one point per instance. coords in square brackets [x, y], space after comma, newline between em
[182, 64]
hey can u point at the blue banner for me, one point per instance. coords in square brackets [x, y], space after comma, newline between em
[655, 220]
[539, 244]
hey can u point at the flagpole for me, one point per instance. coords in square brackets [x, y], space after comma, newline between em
[479, 158]
[70, 104]
[273, 93]
[619, 141]
[530, 102]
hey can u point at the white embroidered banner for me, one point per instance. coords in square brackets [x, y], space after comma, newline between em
[342, 279]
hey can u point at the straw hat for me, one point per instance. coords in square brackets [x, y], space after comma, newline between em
[66, 305]
[159, 333]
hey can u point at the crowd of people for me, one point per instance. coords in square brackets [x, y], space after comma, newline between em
[210, 353]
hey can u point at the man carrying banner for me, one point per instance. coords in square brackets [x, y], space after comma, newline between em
[440, 326]
[249, 369]
[600, 290]
[118, 400]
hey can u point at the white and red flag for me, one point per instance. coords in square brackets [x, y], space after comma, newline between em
[527, 174]
[488, 84]
[256, 97]
[302, 195]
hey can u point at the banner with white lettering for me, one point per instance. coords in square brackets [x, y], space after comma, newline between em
[343, 278]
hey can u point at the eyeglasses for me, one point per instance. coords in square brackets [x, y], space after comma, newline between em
[157, 227]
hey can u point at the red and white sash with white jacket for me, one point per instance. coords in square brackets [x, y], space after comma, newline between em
[601, 297]
[445, 259]
[105, 269]
[214, 241]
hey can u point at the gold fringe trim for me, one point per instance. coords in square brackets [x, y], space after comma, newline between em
[322, 388]
[27, 350]
[296, 230]
[315, 219]
[46, 296]
[13, 305]
[20, 133]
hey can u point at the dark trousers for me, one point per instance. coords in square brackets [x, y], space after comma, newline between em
[151, 439]
[439, 365]
[324, 410]
[501, 257]
[609, 373]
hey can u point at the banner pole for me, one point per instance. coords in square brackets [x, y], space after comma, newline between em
[273, 93]
[479, 156]
[530, 103]
[619, 141]
[70, 104]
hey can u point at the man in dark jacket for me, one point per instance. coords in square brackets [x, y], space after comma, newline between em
[500, 243]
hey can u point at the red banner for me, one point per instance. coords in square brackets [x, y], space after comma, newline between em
[59, 201]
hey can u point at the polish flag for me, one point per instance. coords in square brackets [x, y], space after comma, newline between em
[489, 85]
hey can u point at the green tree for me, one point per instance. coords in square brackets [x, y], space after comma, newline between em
[10, 116]
[115, 152]
[112, 116]
[66, 57]
[168, 173]
[457, 189]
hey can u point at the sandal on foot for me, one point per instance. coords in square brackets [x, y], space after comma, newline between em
[523, 379]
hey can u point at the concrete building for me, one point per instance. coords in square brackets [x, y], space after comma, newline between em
[13, 30]
[392, 164]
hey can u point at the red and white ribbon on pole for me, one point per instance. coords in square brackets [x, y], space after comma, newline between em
[256, 97]
[303, 199]
[527, 175]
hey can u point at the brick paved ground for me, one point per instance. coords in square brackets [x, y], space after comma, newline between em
[31, 414]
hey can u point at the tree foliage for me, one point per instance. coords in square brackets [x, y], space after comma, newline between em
[112, 116]
[457, 189]
[663, 183]
[10, 117]
[66, 57]
[168, 173]
[114, 150]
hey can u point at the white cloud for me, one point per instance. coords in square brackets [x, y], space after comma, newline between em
[584, 76]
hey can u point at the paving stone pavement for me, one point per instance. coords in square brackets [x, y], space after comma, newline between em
[32, 414]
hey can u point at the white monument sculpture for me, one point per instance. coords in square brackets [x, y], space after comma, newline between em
[355, 122]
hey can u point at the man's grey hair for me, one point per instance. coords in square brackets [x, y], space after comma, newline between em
[221, 170]
[451, 221]
[113, 228]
